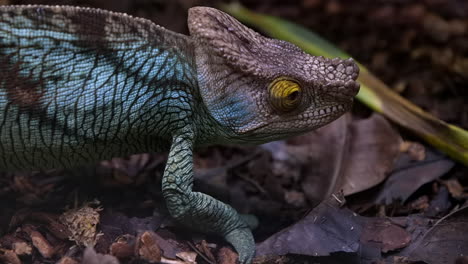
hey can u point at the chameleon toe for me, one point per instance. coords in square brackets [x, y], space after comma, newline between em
[242, 240]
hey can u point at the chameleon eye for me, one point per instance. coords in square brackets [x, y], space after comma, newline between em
[285, 95]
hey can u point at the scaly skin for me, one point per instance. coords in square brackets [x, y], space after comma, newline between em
[78, 85]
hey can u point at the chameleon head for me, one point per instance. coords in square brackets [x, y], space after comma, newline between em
[261, 89]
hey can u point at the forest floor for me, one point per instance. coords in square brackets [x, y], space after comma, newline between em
[396, 199]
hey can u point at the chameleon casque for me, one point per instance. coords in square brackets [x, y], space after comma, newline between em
[79, 85]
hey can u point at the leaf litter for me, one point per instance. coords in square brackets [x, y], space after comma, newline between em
[392, 199]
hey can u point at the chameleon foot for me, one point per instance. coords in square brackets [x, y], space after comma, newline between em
[242, 240]
[198, 210]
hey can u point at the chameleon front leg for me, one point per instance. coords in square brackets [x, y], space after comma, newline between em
[198, 210]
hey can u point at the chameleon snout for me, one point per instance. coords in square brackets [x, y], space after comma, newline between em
[342, 91]
[341, 78]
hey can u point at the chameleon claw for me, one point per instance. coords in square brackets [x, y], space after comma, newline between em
[243, 242]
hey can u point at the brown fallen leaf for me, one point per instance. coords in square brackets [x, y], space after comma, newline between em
[338, 235]
[124, 247]
[342, 155]
[374, 147]
[227, 256]
[39, 242]
[82, 224]
[22, 248]
[10, 241]
[410, 175]
[444, 242]
[326, 229]
[115, 224]
[328, 151]
[386, 234]
[456, 189]
[316, 157]
[9, 256]
[148, 248]
[188, 257]
[49, 221]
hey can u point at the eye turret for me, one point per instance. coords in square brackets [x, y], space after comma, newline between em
[285, 94]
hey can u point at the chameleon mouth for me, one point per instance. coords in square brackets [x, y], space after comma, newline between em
[328, 111]
[332, 110]
[303, 123]
[342, 91]
[311, 120]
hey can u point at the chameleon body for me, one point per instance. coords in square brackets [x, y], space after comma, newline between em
[78, 85]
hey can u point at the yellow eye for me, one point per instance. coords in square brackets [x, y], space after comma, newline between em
[285, 94]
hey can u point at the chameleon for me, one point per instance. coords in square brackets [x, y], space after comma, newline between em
[79, 85]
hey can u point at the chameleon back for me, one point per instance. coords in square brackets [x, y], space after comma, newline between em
[79, 85]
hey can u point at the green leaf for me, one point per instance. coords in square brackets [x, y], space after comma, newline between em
[374, 93]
